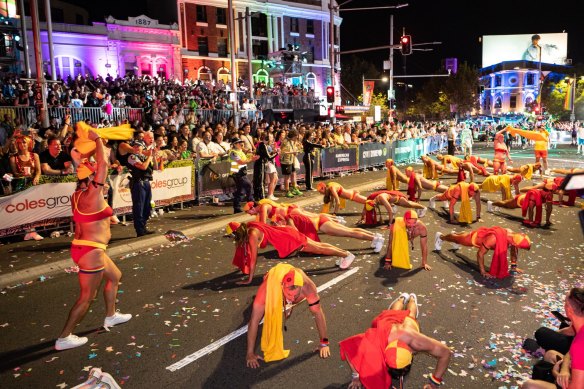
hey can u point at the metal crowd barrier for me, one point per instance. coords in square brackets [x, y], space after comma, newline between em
[284, 101]
[28, 115]
[25, 115]
[49, 202]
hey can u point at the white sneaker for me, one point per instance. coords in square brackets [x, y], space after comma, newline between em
[107, 379]
[496, 209]
[489, 206]
[70, 341]
[379, 245]
[432, 204]
[273, 198]
[347, 261]
[422, 212]
[446, 204]
[117, 318]
[394, 209]
[376, 238]
[438, 242]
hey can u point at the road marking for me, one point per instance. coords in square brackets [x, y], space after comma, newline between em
[237, 333]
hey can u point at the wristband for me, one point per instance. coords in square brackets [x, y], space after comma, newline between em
[435, 380]
[388, 260]
[354, 375]
[324, 342]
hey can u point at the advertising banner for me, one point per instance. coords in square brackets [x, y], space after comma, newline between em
[404, 151]
[336, 159]
[214, 179]
[168, 186]
[372, 154]
[36, 206]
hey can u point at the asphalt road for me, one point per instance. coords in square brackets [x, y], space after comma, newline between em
[183, 299]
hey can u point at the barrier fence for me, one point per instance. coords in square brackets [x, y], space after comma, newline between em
[49, 203]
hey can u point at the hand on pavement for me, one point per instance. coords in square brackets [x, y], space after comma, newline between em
[252, 360]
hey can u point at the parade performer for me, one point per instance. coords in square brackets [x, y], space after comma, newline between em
[337, 195]
[402, 231]
[282, 284]
[416, 183]
[555, 184]
[267, 210]
[464, 192]
[285, 239]
[479, 164]
[501, 183]
[311, 225]
[394, 176]
[497, 239]
[541, 138]
[501, 153]
[459, 165]
[532, 200]
[387, 198]
[432, 169]
[385, 351]
[91, 215]
[526, 170]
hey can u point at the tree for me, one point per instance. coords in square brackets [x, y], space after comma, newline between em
[354, 69]
[377, 99]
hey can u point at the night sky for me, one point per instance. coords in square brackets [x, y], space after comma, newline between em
[454, 23]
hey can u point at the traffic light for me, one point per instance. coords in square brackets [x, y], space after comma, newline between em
[536, 109]
[330, 94]
[406, 44]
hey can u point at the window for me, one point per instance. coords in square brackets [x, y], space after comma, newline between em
[57, 15]
[261, 76]
[311, 81]
[513, 102]
[221, 16]
[310, 26]
[530, 80]
[205, 74]
[293, 24]
[260, 49]
[203, 42]
[224, 75]
[498, 103]
[498, 81]
[201, 13]
[222, 47]
[259, 25]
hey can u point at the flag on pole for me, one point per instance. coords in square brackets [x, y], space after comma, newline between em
[569, 100]
[367, 92]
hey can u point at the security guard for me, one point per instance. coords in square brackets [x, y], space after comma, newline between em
[238, 171]
[140, 165]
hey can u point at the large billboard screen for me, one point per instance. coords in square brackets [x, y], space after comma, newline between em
[499, 48]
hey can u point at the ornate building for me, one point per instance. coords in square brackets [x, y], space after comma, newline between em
[289, 41]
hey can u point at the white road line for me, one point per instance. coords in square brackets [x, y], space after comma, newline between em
[237, 333]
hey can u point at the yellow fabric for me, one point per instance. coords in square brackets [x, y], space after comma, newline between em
[400, 253]
[97, 245]
[333, 186]
[528, 172]
[272, 337]
[452, 160]
[326, 208]
[429, 173]
[465, 213]
[494, 183]
[391, 182]
[85, 145]
[540, 138]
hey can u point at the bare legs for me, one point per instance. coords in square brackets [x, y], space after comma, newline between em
[336, 229]
[324, 249]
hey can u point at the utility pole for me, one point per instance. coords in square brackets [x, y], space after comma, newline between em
[391, 91]
[49, 21]
[249, 51]
[36, 36]
[332, 56]
[24, 38]
[233, 95]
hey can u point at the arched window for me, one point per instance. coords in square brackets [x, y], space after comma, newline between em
[261, 76]
[311, 80]
[205, 74]
[68, 66]
[161, 68]
[224, 75]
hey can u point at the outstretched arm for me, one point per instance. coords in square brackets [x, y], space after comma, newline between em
[422, 343]
[251, 358]
[424, 248]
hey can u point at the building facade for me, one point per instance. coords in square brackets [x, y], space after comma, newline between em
[289, 41]
[139, 45]
[513, 86]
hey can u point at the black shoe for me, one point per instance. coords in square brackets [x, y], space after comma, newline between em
[237, 211]
[145, 232]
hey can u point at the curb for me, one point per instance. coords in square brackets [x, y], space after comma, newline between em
[49, 269]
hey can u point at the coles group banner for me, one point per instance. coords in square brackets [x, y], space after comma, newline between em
[168, 186]
[338, 159]
[36, 206]
[372, 154]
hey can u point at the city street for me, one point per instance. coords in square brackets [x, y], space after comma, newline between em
[184, 299]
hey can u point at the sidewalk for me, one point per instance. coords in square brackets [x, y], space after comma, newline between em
[25, 262]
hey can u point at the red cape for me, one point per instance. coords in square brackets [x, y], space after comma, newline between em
[305, 225]
[499, 266]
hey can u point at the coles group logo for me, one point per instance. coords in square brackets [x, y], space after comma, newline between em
[32, 205]
[170, 183]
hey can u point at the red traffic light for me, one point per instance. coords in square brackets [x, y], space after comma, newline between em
[330, 94]
[405, 39]
[406, 44]
[536, 109]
